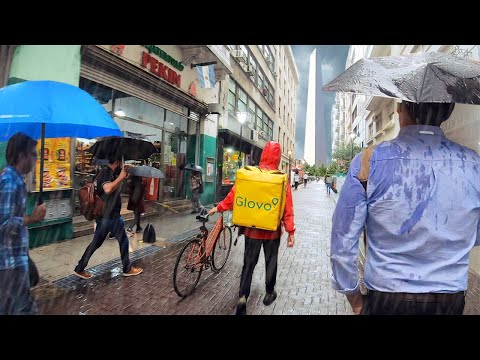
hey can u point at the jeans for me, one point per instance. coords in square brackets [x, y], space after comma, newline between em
[104, 226]
[250, 259]
[15, 295]
[196, 206]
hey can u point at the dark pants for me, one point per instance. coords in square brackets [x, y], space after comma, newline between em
[380, 303]
[296, 185]
[104, 226]
[136, 220]
[15, 295]
[305, 183]
[196, 206]
[250, 259]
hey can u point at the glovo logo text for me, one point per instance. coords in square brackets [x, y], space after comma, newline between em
[251, 204]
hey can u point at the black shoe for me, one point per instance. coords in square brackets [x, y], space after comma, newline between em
[242, 306]
[194, 212]
[269, 298]
[139, 228]
[111, 237]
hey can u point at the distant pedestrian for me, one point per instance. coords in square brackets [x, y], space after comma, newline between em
[296, 179]
[196, 184]
[136, 202]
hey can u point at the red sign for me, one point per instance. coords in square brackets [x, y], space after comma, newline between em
[159, 69]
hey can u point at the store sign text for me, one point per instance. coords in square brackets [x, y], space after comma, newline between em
[159, 69]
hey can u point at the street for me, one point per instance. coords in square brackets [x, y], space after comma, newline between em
[303, 278]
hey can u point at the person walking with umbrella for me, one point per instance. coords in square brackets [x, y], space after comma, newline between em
[15, 294]
[108, 185]
[196, 184]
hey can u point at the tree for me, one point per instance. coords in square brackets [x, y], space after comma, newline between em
[322, 171]
[343, 152]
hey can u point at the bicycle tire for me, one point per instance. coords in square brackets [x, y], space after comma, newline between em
[219, 264]
[176, 281]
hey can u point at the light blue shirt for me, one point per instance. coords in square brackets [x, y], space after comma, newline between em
[422, 211]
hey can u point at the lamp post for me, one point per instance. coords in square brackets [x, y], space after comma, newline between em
[242, 118]
[352, 137]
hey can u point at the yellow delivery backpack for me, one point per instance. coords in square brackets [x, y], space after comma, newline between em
[260, 197]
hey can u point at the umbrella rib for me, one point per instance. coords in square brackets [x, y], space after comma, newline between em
[423, 82]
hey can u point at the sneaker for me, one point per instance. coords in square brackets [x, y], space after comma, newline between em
[133, 271]
[194, 212]
[242, 306]
[139, 228]
[111, 237]
[83, 274]
[269, 298]
[129, 232]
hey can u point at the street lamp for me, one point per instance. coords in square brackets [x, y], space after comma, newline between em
[242, 118]
[352, 137]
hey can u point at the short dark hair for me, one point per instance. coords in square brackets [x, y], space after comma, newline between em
[114, 157]
[429, 113]
[18, 144]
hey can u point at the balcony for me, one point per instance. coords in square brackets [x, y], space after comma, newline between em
[199, 54]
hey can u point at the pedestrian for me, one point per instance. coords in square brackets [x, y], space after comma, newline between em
[196, 185]
[15, 295]
[256, 238]
[305, 180]
[108, 184]
[328, 183]
[296, 179]
[136, 202]
[418, 235]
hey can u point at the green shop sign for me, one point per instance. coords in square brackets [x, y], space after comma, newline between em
[163, 55]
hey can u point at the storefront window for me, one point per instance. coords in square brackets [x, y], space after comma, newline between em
[101, 93]
[131, 107]
[232, 161]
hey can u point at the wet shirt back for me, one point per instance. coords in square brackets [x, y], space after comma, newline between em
[113, 201]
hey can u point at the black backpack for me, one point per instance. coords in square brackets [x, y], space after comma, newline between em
[149, 235]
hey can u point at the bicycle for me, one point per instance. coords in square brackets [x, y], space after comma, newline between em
[204, 251]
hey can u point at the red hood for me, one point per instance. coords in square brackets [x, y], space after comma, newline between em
[271, 156]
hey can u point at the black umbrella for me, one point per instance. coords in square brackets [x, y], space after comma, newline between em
[192, 166]
[128, 148]
[427, 77]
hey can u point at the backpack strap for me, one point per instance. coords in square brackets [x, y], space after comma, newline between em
[365, 166]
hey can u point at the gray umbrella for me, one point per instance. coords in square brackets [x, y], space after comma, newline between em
[192, 166]
[147, 171]
[427, 77]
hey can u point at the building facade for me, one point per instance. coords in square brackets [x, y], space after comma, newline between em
[257, 103]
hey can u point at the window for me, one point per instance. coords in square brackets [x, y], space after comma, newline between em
[283, 143]
[270, 129]
[259, 122]
[232, 88]
[265, 123]
[260, 80]
[242, 100]
[251, 110]
[279, 131]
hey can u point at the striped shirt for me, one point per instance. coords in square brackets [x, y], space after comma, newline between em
[13, 234]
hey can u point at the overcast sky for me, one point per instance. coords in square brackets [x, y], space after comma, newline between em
[333, 63]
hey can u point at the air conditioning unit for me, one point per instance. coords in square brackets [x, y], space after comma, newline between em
[250, 70]
[274, 73]
[377, 118]
[265, 91]
[253, 135]
[262, 134]
[239, 55]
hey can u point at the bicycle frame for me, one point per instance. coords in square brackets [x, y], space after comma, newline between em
[207, 242]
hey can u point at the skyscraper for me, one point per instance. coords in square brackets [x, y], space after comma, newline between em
[317, 131]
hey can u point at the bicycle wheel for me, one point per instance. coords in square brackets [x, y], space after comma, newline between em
[221, 249]
[187, 270]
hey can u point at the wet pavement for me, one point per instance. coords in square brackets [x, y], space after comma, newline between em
[303, 279]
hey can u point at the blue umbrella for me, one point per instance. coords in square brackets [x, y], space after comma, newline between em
[52, 109]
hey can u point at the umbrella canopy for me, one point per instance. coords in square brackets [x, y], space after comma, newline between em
[147, 171]
[192, 166]
[66, 111]
[128, 148]
[428, 77]
[52, 109]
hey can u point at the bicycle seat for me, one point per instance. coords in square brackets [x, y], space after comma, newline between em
[203, 216]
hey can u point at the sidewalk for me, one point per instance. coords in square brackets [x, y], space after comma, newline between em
[56, 262]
